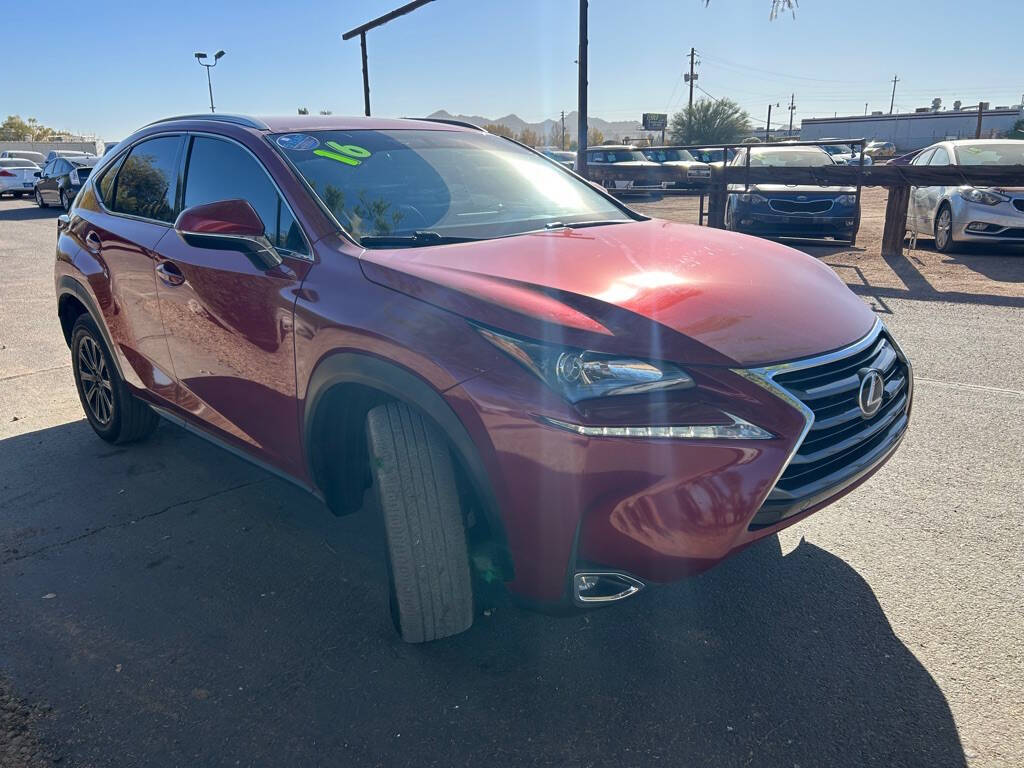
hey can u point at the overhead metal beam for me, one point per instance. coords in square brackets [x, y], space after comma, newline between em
[408, 7]
[361, 32]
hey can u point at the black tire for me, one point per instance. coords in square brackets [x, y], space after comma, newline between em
[414, 481]
[64, 201]
[944, 241]
[39, 200]
[113, 412]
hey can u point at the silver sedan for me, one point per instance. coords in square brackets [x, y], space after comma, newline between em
[960, 214]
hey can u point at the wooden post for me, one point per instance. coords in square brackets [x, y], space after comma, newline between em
[895, 230]
[366, 75]
[717, 196]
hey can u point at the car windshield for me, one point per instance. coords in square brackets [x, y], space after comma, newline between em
[617, 155]
[708, 155]
[668, 155]
[838, 149]
[13, 162]
[781, 158]
[1010, 153]
[449, 184]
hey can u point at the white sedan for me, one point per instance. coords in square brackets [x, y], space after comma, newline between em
[961, 213]
[17, 176]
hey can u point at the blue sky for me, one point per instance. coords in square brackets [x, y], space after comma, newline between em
[126, 63]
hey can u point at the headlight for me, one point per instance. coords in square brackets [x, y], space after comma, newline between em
[581, 375]
[983, 196]
[847, 200]
[752, 197]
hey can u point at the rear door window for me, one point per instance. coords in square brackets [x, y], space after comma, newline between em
[222, 170]
[146, 184]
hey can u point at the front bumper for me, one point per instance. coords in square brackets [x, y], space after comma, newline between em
[654, 509]
[1005, 222]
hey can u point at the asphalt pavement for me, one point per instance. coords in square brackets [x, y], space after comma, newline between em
[166, 604]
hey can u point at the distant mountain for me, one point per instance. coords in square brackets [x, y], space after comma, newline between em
[611, 130]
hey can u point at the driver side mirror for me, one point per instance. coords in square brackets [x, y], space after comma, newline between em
[228, 225]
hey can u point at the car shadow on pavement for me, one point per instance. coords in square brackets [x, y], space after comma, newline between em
[28, 213]
[176, 605]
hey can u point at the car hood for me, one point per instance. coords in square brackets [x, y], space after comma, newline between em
[795, 189]
[657, 288]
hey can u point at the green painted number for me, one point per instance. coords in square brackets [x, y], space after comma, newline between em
[343, 153]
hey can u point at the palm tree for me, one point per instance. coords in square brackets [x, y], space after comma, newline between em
[710, 122]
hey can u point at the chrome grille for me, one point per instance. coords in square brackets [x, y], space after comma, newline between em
[841, 444]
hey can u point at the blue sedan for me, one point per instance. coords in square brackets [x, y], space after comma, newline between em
[782, 210]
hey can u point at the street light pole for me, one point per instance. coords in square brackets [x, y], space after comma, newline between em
[209, 82]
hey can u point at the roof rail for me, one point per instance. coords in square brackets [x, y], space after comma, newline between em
[248, 122]
[448, 121]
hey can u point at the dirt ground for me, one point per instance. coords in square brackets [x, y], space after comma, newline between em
[978, 274]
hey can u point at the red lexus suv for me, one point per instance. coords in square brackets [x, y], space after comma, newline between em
[540, 385]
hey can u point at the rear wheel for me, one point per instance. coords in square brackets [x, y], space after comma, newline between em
[944, 240]
[39, 199]
[64, 201]
[113, 412]
[431, 592]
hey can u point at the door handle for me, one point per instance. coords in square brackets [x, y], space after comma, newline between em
[93, 240]
[169, 273]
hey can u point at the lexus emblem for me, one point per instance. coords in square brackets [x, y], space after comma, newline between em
[872, 388]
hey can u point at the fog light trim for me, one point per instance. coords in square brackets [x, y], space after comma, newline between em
[591, 580]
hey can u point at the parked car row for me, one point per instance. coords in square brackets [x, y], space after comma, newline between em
[53, 179]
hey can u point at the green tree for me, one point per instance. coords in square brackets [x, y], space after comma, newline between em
[528, 137]
[594, 137]
[499, 129]
[709, 122]
[16, 129]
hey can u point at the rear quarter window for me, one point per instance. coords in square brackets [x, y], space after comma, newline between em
[146, 183]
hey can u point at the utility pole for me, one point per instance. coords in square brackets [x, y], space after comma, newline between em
[768, 125]
[581, 125]
[563, 130]
[977, 131]
[892, 103]
[792, 109]
[692, 77]
[865, 108]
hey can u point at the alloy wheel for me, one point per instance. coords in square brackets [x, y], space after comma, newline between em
[943, 229]
[39, 199]
[97, 387]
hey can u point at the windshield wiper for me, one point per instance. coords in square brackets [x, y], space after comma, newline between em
[581, 224]
[420, 237]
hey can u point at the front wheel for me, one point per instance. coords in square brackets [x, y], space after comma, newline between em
[39, 199]
[113, 412]
[64, 201]
[414, 481]
[944, 240]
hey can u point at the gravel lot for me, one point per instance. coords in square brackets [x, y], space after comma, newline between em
[166, 604]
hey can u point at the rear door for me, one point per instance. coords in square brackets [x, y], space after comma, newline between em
[229, 320]
[139, 199]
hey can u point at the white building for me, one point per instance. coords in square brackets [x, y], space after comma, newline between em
[913, 130]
